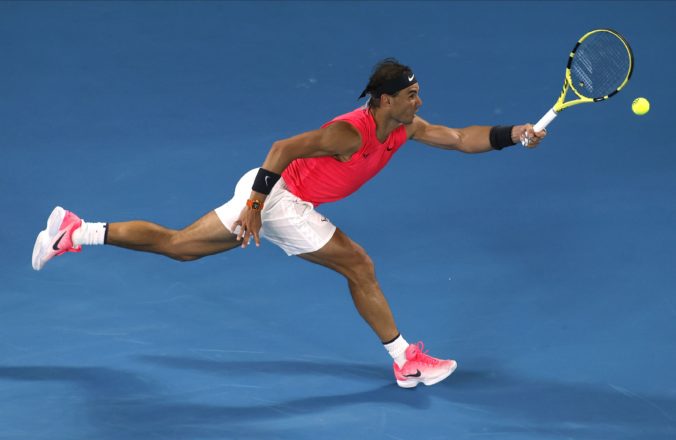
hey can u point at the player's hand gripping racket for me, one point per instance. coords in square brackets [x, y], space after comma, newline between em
[599, 66]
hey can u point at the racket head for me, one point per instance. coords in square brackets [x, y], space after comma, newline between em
[600, 65]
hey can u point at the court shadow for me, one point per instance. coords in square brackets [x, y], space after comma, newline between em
[530, 407]
[124, 404]
[544, 408]
[96, 380]
[303, 368]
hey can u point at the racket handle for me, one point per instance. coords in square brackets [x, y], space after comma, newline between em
[545, 120]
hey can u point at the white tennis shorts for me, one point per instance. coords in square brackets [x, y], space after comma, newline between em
[289, 222]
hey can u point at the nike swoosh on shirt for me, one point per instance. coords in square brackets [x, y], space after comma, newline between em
[56, 243]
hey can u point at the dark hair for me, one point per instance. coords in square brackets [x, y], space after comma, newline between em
[385, 70]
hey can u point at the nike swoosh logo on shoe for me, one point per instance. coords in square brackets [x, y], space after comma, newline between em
[417, 374]
[56, 243]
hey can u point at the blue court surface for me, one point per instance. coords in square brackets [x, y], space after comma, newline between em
[549, 274]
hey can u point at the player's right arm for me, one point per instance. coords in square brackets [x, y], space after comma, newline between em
[339, 139]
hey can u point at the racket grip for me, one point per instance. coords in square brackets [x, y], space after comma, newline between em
[545, 120]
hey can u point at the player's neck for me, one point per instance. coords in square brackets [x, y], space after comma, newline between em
[384, 124]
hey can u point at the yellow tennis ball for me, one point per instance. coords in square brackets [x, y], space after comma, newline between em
[640, 106]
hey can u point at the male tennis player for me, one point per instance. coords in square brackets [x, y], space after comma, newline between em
[278, 201]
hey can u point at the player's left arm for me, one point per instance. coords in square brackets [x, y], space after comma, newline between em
[473, 139]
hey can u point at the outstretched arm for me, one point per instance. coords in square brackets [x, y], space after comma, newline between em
[473, 139]
[337, 139]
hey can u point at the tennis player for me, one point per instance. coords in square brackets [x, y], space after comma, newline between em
[278, 201]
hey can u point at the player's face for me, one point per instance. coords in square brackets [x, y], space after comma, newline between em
[406, 104]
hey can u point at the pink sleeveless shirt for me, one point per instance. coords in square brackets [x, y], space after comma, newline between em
[326, 179]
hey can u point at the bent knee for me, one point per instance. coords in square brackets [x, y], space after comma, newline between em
[360, 266]
[177, 248]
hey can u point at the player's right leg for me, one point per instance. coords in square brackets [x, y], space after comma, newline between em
[64, 233]
[207, 236]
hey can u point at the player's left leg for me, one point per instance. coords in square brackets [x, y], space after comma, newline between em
[346, 257]
[296, 227]
[412, 365]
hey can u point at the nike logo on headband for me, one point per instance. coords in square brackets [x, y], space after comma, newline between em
[410, 78]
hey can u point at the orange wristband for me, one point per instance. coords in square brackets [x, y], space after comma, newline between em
[254, 204]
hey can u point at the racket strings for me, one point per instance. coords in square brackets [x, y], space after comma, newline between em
[600, 65]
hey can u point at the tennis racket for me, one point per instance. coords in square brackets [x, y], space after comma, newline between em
[599, 66]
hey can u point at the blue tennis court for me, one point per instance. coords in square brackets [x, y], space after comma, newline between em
[548, 274]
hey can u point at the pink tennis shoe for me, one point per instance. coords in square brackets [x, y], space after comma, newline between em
[422, 368]
[57, 239]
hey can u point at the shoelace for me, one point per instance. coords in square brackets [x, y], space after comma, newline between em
[422, 356]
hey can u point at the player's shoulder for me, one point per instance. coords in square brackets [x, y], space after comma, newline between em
[358, 114]
[356, 120]
[415, 127]
[340, 126]
[341, 132]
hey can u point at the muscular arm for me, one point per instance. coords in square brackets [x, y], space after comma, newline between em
[337, 139]
[473, 139]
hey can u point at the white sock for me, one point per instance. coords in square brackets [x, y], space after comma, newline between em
[90, 233]
[397, 349]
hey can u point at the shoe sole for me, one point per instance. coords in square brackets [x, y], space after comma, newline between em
[44, 239]
[414, 383]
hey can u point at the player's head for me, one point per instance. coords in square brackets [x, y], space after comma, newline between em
[389, 77]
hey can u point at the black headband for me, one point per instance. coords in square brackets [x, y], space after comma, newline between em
[391, 86]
